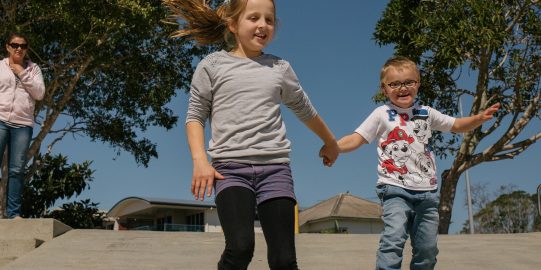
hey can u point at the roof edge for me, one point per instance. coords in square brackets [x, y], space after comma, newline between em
[128, 198]
[339, 217]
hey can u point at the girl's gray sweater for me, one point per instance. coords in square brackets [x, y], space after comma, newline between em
[241, 97]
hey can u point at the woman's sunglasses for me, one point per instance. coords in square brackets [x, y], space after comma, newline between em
[17, 45]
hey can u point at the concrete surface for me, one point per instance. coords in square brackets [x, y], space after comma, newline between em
[131, 250]
[43, 229]
[18, 237]
[17, 247]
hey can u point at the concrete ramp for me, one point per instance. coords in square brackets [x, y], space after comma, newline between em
[130, 250]
[18, 237]
[42, 229]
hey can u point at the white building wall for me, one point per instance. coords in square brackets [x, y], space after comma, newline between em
[212, 222]
[362, 227]
[317, 226]
[352, 226]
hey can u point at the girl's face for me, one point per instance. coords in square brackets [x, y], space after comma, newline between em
[254, 29]
[17, 48]
[400, 86]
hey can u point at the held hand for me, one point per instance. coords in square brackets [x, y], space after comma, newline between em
[203, 179]
[488, 113]
[329, 152]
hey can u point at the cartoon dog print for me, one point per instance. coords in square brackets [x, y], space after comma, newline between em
[420, 129]
[425, 169]
[397, 148]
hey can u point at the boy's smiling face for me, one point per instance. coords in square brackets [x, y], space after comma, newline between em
[403, 96]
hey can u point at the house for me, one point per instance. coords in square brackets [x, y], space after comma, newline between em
[158, 214]
[343, 213]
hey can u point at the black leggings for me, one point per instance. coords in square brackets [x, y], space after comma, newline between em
[236, 210]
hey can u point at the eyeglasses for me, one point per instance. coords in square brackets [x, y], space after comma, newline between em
[397, 85]
[17, 45]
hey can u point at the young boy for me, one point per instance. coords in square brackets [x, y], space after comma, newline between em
[407, 184]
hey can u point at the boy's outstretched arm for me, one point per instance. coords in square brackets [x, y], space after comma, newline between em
[465, 124]
[351, 142]
[203, 173]
[329, 150]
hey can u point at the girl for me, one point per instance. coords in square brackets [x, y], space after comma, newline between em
[21, 84]
[240, 90]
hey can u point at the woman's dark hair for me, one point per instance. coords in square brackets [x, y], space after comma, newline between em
[13, 35]
[16, 35]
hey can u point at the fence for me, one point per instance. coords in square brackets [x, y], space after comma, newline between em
[172, 228]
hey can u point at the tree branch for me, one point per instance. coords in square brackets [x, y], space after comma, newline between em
[523, 143]
[71, 129]
[529, 113]
[511, 151]
[501, 62]
[78, 46]
[493, 127]
[517, 17]
[51, 119]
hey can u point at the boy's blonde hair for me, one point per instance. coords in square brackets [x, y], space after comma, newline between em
[398, 63]
[203, 24]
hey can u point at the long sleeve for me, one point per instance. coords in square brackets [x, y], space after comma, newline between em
[32, 81]
[200, 103]
[294, 97]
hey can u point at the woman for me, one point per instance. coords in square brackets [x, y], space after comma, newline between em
[21, 84]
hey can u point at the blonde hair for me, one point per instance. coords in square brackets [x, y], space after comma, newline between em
[398, 63]
[202, 23]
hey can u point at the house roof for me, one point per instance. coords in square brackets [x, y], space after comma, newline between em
[343, 205]
[134, 204]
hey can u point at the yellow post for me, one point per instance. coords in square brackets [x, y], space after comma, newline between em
[296, 218]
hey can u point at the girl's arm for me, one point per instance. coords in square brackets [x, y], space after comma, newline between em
[203, 173]
[351, 142]
[329, 150]
[466, 124]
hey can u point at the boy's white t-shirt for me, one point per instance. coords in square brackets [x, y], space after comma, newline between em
[405, 158]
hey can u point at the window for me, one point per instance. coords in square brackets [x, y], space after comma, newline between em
[196, 219]
[164, 220]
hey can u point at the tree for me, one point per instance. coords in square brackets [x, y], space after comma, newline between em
[513, 212]
[481, 196]
[55, 179]
[110, 69]
[80, 215]
[500, 42]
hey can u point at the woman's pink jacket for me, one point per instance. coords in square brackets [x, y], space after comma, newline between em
[18, 96]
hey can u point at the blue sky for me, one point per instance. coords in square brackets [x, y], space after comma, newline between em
[331, 48]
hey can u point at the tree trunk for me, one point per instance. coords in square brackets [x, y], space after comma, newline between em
[447, 199]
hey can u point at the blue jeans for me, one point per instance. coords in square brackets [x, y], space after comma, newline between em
[19, 141]
[413, 212]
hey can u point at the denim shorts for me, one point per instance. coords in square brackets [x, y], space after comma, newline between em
[267, 181]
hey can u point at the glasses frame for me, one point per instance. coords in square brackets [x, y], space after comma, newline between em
[403, 84]
[15, 46]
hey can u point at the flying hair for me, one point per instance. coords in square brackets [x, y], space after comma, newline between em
[202, 23]
[199, 21]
